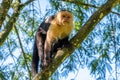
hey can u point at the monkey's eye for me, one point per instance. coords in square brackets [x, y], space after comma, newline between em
[68, 16]
[63, 16]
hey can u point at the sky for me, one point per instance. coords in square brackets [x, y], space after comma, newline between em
[83, 74]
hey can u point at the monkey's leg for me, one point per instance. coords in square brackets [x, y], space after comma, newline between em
[35, 60]
[47, 50]
[60, 44]
[55, 47]
[66, 43]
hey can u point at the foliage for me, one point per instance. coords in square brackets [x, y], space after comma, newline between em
[99, 51]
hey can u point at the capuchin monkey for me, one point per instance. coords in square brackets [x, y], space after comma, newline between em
[52, 35]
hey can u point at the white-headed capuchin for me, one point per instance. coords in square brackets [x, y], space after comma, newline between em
[52, 34]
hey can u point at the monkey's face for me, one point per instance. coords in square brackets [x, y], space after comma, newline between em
[64, 18]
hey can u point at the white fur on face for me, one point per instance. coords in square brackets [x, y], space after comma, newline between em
[64, 18]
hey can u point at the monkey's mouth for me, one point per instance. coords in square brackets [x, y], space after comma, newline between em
[65, 21]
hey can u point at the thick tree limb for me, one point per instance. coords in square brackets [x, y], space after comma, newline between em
[8, 27]
[5, 5]
[77, 39]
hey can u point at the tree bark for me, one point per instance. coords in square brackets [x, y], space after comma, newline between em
[8, 27]
[5, 5]
[77, 39]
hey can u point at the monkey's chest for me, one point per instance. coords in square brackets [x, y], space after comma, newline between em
[59, 32]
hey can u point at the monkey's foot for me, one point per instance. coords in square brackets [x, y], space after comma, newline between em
[47, 62]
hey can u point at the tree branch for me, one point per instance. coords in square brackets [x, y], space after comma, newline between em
[80, 3]
[27, 2]
[23, 53]
[5, 5]
[8, 27]
[77, 39]
[88, 5]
